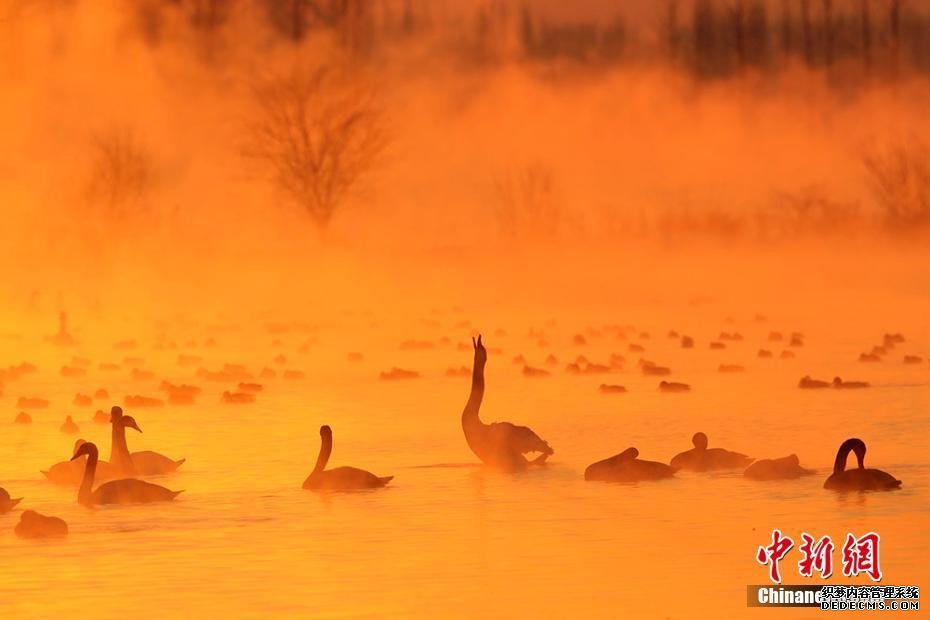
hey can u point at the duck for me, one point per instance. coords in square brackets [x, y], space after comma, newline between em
[33, 525]
[839, 384]
[7, 503]
[501, 444]
[340, 478]
[784, 468]
[702, 458]
[626, 467]
[123, 491]
[673, 387]
[806, 383]
[859, 479]
[69, 427]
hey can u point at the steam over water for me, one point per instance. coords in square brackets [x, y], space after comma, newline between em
[561, 203]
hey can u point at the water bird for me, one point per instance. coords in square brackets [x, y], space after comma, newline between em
[500, 444]
[147, 462]
[6, 502]
[839, 384]
[626, 467]
[785, 468]
[806, 383]
[673, 387]
[606, 388]
[859, 479]
[34, 526]
[125, 491]
[395, 374]
[530, 371]
[702, 458]
[238, 398]
[340, 478]
[23, 418]
[69, 427]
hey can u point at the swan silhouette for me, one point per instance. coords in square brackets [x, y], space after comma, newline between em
[6, 502]
[785, 468]
[126, 491]
[120, 458]
[33, 525]
[859, 479]
[144, 462]
[500, 444]
[340, 478]
[625, 467]
[702, 458]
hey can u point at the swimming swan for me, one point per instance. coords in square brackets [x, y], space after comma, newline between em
[340, 478]
[785, 468]
[625, 467]
[700, 458]
[127, 491]
[859, 479]
[6, 502]
[144, 462]
[501, 444]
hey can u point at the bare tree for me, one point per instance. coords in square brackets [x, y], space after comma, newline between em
[120, 175]
[527, 201]
[899, 178]
[317, 136]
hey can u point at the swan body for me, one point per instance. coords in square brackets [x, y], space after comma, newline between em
[7, 503]
[859, 479]
[150, 463]
[500, 444]
[339, 478]
[625, 467]
[33, 525]
[125, 491]
[785, 468]
[70, 473]
[702, 458]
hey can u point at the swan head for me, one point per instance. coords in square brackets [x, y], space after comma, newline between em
[130, 422]
[630, 454]
[699, 440]
[481, 354]
[86, 448]
[78, 444]
[116, 412]
[326, 432]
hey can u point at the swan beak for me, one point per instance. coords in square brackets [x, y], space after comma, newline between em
[76, 455]
[134, 426]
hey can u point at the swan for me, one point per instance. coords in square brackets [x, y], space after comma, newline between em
[6, 502]
[700, 458]
[340, 478]
[33, 525]
[120, 458]
[144, 462]
[859, 479]
[785, 468]
[625, 467]
[501, 444]
[69, 473]
[126, 491]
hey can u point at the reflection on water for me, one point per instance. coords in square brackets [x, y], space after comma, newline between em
[447, 538]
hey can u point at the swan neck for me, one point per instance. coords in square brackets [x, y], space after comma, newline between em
[87, 483]
[326, 449]
[839, 465]
[119, 448]
[470, 414]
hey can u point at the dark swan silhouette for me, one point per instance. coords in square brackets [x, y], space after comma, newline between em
[625, 467]
[144, 462]
[702, 458]
[6, 502]
[340, 478]
[127, 491]
[859, 479]
[785, 468]
[500, 444]
[120, 458]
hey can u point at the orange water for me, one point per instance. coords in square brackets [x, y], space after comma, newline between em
[244, 540]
